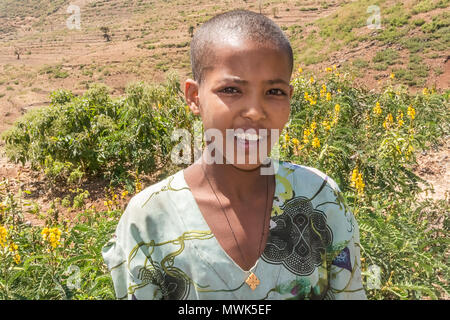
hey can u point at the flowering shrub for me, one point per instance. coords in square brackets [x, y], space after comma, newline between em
[367, 141]
[90, 135]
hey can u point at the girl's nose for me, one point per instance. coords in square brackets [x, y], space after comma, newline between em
[254, 110]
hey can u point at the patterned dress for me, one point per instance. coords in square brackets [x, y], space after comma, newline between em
[164, 249]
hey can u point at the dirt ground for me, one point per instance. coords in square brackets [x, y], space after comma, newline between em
[434, 167]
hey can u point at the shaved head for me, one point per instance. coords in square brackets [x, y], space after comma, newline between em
[232, 28]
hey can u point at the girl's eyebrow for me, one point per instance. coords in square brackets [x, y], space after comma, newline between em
[244, 82]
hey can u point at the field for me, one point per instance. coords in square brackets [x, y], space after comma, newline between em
[87, 124]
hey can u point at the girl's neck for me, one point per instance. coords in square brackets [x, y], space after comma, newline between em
[233, 182]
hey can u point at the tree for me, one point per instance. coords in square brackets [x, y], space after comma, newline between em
[17, 52]
[275, 12]
[106, 34]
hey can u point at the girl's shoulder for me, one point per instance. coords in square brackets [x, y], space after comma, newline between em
[157, 197]
[307, 174]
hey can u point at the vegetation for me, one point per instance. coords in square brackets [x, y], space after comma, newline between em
[97, 135]
[398, 25]
[366, 141]
[54, 71]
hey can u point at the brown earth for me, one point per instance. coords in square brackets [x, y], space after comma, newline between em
[434, 167]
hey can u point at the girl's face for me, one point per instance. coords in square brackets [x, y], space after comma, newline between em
[247, 87]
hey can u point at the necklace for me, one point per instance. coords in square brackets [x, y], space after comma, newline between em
[252, 280]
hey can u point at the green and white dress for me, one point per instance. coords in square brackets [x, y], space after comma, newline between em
[164, 249]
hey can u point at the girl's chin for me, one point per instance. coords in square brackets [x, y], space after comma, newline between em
[246, 167]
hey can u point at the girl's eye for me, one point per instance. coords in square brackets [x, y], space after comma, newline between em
[230, 90]
[277, 92]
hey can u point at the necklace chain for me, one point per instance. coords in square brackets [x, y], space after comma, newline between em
[228, 221]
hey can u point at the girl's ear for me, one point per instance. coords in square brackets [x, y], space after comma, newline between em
[291, 91]
[191, 89]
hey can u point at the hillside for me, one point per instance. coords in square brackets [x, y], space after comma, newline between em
[150, 37]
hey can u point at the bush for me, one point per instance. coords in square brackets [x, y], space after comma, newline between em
[95, 135]
[397, 232]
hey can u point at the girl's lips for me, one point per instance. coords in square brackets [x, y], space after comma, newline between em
[247, 143]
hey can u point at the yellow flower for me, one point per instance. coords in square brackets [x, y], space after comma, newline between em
[124, 194]
[392, 76]
[411, 112]
[186, 108]
[323, 91]
[52, 236]
[306, 96]
[400, 119]
[45, 233]
[313, 126]
[328, 96]
[311, 80]
[3, 236]
[326, 125]
[13, 247]
[328, 69]
[310, 98]
[335, 120]
[425, 91]
[357, 181]
[159, 105]
[286, 138]
[316, 142]
[17, 258]
[306, 132]
[300, 70]
[295, 141]
[337, 108]
[334, 66]
[377, 109]
[138, 186]
[389, 121]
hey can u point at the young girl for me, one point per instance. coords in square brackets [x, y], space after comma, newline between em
[228, 227]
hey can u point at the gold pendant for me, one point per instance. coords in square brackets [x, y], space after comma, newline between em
[252, 281]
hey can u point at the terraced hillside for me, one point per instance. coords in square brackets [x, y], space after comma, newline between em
[150, 37]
